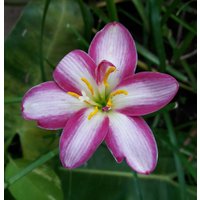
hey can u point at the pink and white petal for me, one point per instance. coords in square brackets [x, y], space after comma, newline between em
[74, 66]
[132, 139]
[49, 105]
[81, 137]
[147, 93]
[115, 44]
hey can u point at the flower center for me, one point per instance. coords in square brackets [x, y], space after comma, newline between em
[103, 103]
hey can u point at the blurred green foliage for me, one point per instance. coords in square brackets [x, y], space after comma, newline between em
[165, 34]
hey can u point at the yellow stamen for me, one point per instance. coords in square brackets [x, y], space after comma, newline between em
[93, 113]
[109, 71]
[88, 85]
[87, 102]
[109, 103]
[73, 94]
[118, 92]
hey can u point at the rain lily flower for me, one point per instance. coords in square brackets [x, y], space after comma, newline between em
[97, 97]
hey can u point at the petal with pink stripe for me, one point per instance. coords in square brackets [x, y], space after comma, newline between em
[147, 93]
[132, 139]
[115, 44]
[49, 105]
[72, 68]
[81, 137]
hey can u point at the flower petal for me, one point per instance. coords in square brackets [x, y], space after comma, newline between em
[81, 137]
[49, 105]
[115, 44]
[147, 93]
[130, 137]
[74, 66]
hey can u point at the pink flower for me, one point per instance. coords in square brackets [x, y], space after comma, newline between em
[97, 97]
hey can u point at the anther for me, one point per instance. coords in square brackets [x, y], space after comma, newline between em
[74, 94]
[118, 92]
[109, 103]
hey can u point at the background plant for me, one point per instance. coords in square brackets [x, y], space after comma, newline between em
[165, 35]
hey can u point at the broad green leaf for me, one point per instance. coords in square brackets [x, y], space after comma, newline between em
[30, 167]
[115, 185]
[103, 160]
[22, 58]
[35, 141]
[42, 183]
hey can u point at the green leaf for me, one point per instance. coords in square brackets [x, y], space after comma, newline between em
[100, 14]
[187, 165]
[181, 22]
[46, 6]
[131, 17]
[151, 57]
[34, 140]
[183, 46]
[179, 166]
[22, 51]
[170, 10]
[87, 18]
[111, 184]
[41, 183]
[137, 185]
[112, 10]
[184, 6]
[157, 33]
[10, 100]
[140, 8]
[189, 71]
[30, 167]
